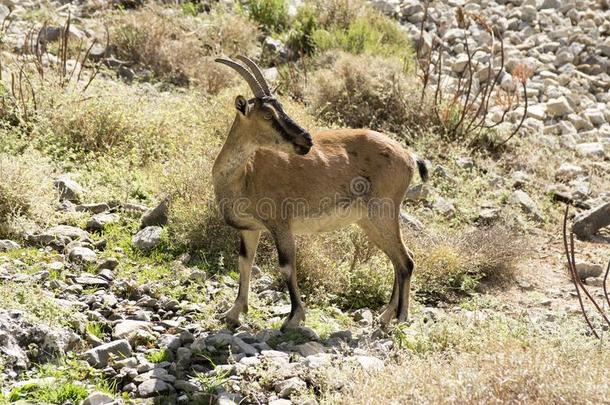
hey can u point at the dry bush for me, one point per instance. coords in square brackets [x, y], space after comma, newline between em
[366, 91]
[178, 48]
[496, 361]
[449, 266]
[336, 13]
[119, 121]
[26, 192]
[344, 269]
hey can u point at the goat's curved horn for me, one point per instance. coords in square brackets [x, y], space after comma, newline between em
[255, 86]
[257, 73]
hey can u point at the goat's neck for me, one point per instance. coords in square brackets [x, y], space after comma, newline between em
[229, 168]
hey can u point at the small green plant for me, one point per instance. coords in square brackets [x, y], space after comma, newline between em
[193, 8]
[158, 356]
[95, 329]
[210, 383]
[52, 393]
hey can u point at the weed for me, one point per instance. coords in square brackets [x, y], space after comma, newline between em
[95, 329]
[158, 356]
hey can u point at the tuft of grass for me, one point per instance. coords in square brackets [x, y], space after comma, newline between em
[95, 329]
[158, 356]
[51, 393]
[26, 192]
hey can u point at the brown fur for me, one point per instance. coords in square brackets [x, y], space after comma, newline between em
[262, 184]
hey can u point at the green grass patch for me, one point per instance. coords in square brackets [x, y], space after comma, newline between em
[158, 356]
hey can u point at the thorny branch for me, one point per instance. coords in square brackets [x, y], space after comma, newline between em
[578, 285]
[463, 113]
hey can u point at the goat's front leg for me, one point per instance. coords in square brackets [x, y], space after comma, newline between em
[284, 242]
[247, 252]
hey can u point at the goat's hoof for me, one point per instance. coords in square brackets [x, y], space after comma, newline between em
[386, 316]
[294, 321]
[231, 319]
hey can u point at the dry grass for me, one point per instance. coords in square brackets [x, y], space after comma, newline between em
[366, 92]
[26, 192]
[451, 264]
[494, 361]
[179, 48]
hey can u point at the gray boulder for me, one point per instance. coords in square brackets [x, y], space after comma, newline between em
[6, 245]
[587, 223]
[148, 238]
[69, 190]
[157, 216]
[98, 357]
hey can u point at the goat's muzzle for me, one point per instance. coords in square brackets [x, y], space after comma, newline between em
[302, 143]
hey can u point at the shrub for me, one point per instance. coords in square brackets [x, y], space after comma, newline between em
[272, 15]
[26, 192]
[366, 91]
[178, 48]
[450, 266]
[371, 33]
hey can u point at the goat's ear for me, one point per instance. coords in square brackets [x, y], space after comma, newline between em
[241, 104]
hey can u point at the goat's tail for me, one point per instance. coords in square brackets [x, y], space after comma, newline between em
[422, 168]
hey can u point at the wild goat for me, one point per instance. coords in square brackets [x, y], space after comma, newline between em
[272, 175]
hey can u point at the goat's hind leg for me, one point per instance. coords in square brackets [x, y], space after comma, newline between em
[385, 234]
[247, 252]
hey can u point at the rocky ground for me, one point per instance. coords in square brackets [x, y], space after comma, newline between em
[145, 341]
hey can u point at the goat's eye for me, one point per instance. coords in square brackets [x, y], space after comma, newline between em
[268, 116]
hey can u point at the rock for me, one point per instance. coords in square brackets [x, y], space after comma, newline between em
[239, 346]
[363, 316]
[587, 223]
[157, 216]
[289, 387]
[98, 357]
[460, 63]
[410, 221]
[153, 387]
[558, 107]
[537, 111]
[89, 280]
[526, 203]
[98, 221]
[6, 245]
[418, 192]
[275, 50]
[97, 398]
[128, 329]
[369, 363]
[568, 171]
[69, 190]
[59, 236]
[109, 263]
[280, 401]
[80, 254]
[595, 281]
[186, 386]
[586, 269]
[444, 207]
[309, 348]
[95, 208]
[594, 149]
[148, 238]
